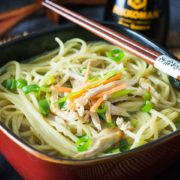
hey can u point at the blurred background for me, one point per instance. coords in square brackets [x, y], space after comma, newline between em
[37, 18]
[23, 17]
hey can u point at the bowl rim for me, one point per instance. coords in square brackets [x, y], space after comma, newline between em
[69, 161]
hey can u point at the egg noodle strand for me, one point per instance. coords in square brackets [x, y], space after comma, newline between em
[54, 134]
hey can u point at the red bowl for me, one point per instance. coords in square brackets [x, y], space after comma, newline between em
[140, 163]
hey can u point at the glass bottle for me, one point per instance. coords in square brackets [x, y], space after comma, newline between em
[149, 17]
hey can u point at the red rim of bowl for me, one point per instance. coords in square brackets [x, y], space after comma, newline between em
[69, 161]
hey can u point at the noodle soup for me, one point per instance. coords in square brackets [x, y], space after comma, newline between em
[86, 100]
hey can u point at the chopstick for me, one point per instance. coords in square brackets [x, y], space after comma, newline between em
[161, 62]
[20, 11]
[14, 17]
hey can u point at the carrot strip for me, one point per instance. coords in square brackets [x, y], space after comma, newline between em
[59, 88]
[111, 91]
[85, 88]
[76, 96]
[114, 78]
[96, 105]
[71, 105]
[89, 86]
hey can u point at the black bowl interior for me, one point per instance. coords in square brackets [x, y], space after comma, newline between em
[38, 43]
[41, 42]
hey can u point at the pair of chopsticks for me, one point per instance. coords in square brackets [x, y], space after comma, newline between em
[9, 19]
[161, 62]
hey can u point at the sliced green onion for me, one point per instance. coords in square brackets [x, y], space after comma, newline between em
[112, 151]
[44, 92]
[107, 76]
[101, 112]
[10, 84]
[62, 104]
[147, 96]
[83, 143]
[99, 81]
[116, 55]
[102, 116]
[93, 78]
[44, 107]
[31, 88]
[102, 109]
[49, 80]
[110, 124]
[177, 122]
[122, 93]
[116, 150]
[65, 98]
[44, 89]
[21, 83]
[123, 145]
[147, 106]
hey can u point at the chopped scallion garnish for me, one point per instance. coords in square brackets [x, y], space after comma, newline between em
[83, 143]
[116, 55]
[147, 106]
[122, 93]
[21, 83]
[124, 145]
[102, 116]
[101, 112]
[31, 88]
[147, 96]
[49, 80]
[62, 104]
[110, 124]
[44, 107]
[102, 109]
[10, 84]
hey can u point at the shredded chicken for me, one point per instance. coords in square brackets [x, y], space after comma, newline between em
[82, 101]
[123, 126]
[146, 84]
[64, 114]
[104, 140]
[80, 110]
[118, 111]
[95, 120]
[108, 111]
[120, 99]
[86, 117]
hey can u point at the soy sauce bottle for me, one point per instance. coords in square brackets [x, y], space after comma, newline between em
[149, 17]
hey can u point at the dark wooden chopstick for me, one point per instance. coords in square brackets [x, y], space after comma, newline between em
[19, 11]
[12, 18]
[108, 34]
[92, 26]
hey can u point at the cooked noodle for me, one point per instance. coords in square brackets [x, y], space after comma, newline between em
[106, 114]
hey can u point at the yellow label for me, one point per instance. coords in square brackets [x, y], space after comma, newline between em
[144, 15]
[137, 4]
[135, 14]
[132, 25]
